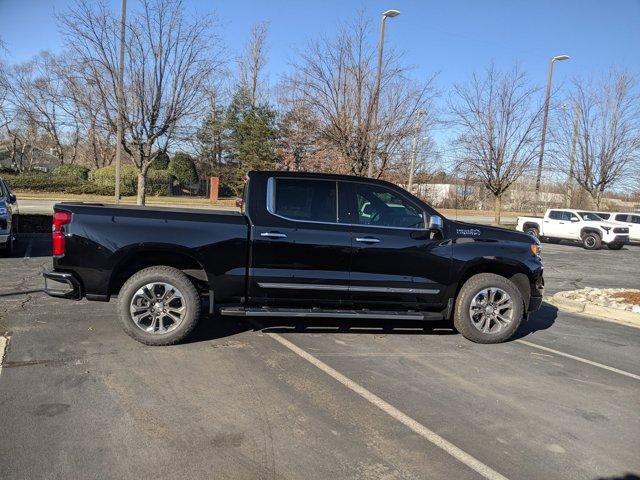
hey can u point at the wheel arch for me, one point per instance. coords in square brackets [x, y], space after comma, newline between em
[530, 224]
[586, 230]
[514, 271]
[133, 259]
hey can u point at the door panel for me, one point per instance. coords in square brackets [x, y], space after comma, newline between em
[303, 259]
[401, 268]
[395, 261]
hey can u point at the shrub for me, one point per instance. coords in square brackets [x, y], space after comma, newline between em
[106, 177]
[182, 168]
[159, 182]
[76, 171]
[44, 182]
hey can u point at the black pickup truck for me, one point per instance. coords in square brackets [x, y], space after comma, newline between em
[307, 245]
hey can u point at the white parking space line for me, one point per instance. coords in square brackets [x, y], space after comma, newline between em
[424, 432]
[3, 346]
[580, 359]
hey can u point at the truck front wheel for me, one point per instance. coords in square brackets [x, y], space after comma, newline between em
[489, 309]
[591, 241]
[158, 306]
[533, 231]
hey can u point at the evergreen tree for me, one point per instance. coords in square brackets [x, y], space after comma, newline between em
[252, 136]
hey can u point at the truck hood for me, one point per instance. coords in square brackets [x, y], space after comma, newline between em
[604, 223]
[474, 230]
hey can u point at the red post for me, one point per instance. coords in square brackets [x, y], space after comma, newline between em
[213, 191]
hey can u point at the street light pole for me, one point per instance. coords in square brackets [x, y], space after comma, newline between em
[572, 155]
[414, 154]
[545, 117]
[120, 95]
[376, 88]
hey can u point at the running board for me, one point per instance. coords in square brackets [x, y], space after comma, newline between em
[325, 313]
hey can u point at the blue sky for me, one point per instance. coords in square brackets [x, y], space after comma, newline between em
[450, 37]
[453, 38]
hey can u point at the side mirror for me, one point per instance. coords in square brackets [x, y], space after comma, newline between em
[575, 219]
[12, 198]
[435, 222]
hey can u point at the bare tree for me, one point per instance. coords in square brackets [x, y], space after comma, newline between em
[36, 93]
[170, 59]
[498, 118]
[252, 63]
[334, 80]
[4, 89]
[605, 146]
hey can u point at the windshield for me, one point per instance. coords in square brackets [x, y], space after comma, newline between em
[590, 216]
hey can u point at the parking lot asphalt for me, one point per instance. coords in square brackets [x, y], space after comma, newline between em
[321, 399]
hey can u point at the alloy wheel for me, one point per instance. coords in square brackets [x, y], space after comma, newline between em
[157, 308]
[491, 310]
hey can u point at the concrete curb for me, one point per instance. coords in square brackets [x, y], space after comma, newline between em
[615, 315]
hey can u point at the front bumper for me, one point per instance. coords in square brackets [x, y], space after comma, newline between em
[537, 292]
[624, 239]
[62, 285]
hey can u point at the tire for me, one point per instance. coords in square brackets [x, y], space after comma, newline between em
[476, 286]
[615, 246]
[156, 327]
[7, 249]
[533, 231]
[591, 241]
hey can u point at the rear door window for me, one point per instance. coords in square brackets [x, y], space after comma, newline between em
[555, 215]
[306, 200]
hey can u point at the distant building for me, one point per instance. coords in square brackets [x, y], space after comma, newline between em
[36, 159]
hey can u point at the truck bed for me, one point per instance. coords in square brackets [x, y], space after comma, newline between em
[103, 238]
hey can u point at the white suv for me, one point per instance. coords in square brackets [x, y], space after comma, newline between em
[576, 225]
[630, 220]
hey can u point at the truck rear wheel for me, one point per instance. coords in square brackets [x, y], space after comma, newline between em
[489, 309]
[591, 241]
[158, 306]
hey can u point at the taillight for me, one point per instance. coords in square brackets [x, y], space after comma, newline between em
[60, 218]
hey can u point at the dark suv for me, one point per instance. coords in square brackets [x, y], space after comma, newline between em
[7, 200]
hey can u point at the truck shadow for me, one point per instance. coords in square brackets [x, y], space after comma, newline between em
[627, 476]
[367, 327]
[540, 320]
[217, 326]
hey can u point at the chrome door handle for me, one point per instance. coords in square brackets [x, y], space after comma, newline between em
[367, 240]
[273, 235]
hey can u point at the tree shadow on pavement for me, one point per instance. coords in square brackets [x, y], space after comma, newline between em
[540, 320]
